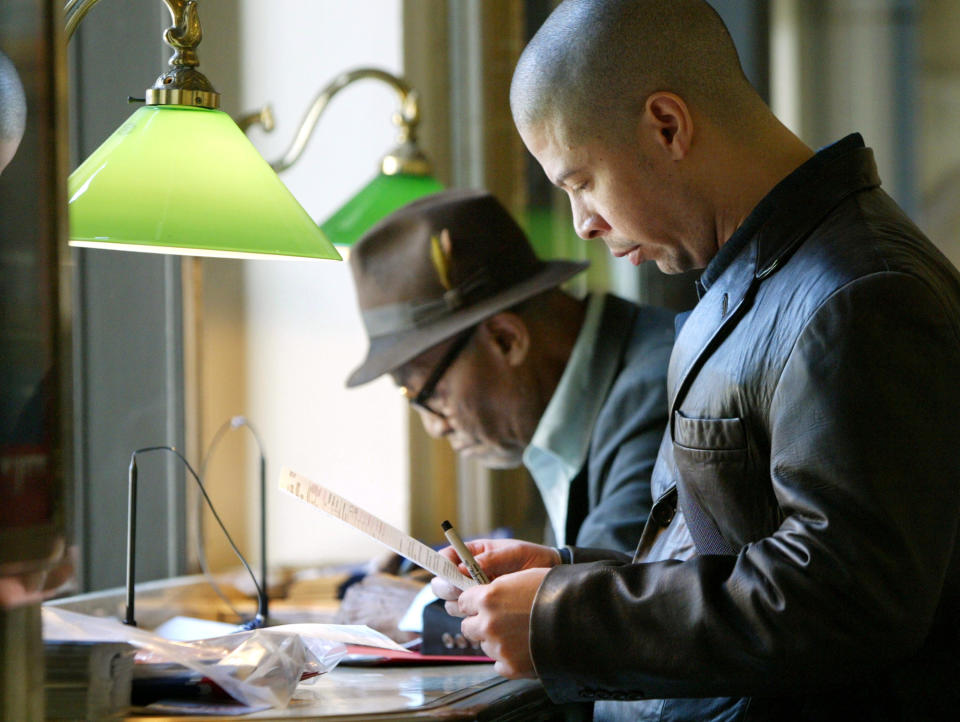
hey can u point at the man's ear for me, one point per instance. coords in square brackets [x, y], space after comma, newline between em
[668, 119]
[509, 336]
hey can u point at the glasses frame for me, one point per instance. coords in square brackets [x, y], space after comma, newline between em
[422, 397]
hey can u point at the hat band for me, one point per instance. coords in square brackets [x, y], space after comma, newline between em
[410, 315]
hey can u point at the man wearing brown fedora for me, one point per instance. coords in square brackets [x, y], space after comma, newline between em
[509, 368]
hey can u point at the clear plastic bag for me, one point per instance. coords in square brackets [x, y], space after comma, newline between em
[258, 667]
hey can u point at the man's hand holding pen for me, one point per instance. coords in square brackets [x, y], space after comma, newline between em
[497, 615]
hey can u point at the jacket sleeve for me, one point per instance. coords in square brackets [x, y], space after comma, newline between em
[624, 446]
[864, 465]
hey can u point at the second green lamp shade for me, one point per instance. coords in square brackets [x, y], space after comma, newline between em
[381, 196]
[175, 179]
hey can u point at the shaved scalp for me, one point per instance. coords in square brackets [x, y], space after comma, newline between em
[13, 111]
[593, 63]
[13, 106]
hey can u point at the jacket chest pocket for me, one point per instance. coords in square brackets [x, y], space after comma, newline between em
[709, 438]
[711, 465]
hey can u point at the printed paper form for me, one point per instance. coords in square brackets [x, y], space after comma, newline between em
[391, 537]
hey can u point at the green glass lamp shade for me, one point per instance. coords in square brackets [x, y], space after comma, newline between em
[175, 179]
[381, 196]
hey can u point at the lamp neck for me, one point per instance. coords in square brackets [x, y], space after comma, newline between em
[183, 84]
[406, 158]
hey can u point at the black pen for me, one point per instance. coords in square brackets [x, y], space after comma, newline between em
[465, 556]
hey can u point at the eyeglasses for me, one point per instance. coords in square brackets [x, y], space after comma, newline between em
[420, 399]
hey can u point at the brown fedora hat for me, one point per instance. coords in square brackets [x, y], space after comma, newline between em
[438, 266]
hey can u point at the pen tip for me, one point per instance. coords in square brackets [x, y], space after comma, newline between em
[446, 525]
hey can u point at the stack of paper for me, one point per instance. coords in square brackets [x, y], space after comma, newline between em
[87, 680]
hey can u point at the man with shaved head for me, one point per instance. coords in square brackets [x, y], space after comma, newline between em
[812, 447]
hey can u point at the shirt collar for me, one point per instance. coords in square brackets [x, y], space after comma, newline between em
[565, 427]
[561, 441]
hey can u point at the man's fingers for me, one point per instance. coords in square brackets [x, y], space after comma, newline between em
[495, 564]
[444, 589]
[502, 666]
[453, 609]
[469, 600]
[470, 627]
[499, 561]
[451, 554]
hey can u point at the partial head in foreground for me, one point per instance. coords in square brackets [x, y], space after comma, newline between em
[451, 295]
[13, 111]
[641, 112]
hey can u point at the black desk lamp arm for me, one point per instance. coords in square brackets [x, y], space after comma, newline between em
[260, 617]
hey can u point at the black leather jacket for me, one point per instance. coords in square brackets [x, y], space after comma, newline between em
[814, 394]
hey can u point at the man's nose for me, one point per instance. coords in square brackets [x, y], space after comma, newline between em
[434, 425]
[588, 224]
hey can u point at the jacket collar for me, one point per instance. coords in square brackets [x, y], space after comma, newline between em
[801, 200]
[762, 244]
[794, 207]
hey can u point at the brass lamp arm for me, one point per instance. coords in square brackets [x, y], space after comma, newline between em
[74, 12]
[407, 118]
